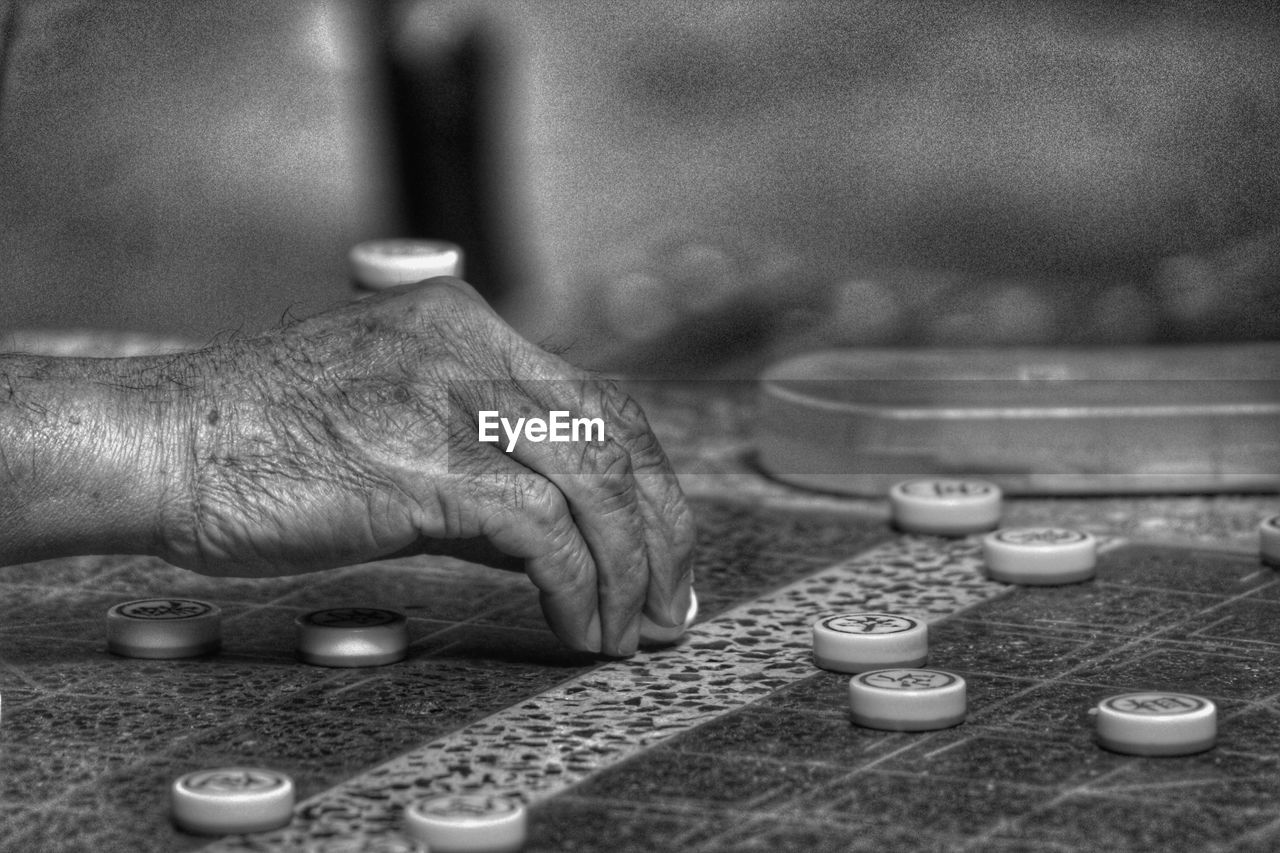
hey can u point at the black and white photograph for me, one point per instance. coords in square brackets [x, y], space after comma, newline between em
[584, 426]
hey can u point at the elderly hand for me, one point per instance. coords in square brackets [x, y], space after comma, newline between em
[353, 435]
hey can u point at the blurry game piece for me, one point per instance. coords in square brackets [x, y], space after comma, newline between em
[858, 642]
[352, 636]
[1040, 556]
[468, 823]
[164, 628]
[1156, 723]
[945, 507]
[379, 264]
[907, 700]
[230, 800]
[1269, 540]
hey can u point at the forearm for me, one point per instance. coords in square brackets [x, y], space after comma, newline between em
[328, 442]
[93, 454]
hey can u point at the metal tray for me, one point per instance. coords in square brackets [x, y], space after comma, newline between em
[1185, 419]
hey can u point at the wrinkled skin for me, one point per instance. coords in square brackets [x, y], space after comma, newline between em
[351, 436]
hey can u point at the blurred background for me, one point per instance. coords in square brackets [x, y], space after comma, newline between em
[667, 186]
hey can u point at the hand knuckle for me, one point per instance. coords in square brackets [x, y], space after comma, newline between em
[539, 500]
[624, 410]
[610, 462]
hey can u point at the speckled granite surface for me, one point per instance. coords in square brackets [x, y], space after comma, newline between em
[546, 744]
[89, 742]
[790, 772]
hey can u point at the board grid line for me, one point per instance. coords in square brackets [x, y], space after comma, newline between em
[548, 743]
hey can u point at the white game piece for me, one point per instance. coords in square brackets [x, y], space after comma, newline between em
[230, 800]
[1156, 723]
[1040, 556]
[379, 264]
[468, 823]
[352, 636]
[858, 642]
[164, 628]
[907, 700]
[653, 634]
[1269, 540]
[945, 507]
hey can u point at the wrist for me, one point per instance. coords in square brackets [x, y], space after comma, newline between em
[95, 454]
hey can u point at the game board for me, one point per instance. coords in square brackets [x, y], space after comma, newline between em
[730, 741]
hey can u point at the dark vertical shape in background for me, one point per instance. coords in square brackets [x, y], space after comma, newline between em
[8, 35]
[439, 99]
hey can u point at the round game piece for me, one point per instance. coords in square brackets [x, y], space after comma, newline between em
[229, 800]
[468, 823]
[1040, 556]
[379, 264]
[653, 634]
[859, 642]
[945, 507]
[907, 700]
[1156, 723]
[352, 636]
[1269, 540]
[164, 628]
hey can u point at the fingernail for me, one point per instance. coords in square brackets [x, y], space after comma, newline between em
[681, 602]
[594, 641]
